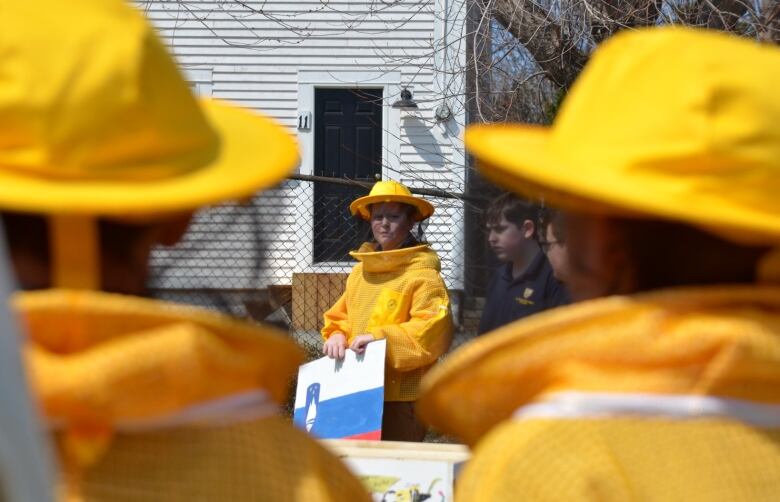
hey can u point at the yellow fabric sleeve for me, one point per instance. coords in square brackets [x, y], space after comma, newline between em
[426, 335]
[337, 318]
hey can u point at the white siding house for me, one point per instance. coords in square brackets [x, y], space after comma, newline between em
[275, 56]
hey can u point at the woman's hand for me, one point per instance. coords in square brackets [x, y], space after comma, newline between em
[335, 346]
[359, 343]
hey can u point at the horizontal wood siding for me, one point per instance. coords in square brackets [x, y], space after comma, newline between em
[253, 51]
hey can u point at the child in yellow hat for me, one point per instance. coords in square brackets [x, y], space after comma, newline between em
[395, 292]
[104, 153]
[666, 160]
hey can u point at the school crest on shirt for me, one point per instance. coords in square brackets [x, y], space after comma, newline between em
[526, 298]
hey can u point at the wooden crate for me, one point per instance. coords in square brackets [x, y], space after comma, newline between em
[312, 295]
[268, 301]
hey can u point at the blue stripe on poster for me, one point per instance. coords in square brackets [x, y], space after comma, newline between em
[343, 416]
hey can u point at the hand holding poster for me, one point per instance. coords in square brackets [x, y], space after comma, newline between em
[343, 398]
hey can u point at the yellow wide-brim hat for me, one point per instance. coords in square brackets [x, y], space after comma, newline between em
[391, 191]
[670, 123]
[95, 119]
[666, 123]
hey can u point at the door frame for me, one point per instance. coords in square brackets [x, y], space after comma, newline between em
[308, 81]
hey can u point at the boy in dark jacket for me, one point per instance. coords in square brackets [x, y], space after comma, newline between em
[525, 284]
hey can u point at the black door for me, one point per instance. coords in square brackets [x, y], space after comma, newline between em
[347, 145]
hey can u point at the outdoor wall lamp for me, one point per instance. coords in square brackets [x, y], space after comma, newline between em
[406, 102]
[443, 113]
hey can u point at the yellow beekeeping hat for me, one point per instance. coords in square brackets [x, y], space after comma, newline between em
[391, 191]
[670, 123]
[95, 119]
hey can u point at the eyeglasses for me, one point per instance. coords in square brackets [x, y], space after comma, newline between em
[546, 245]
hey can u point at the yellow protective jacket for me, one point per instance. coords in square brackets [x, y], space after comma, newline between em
[398, 295]
[673, 395]
[155, 401]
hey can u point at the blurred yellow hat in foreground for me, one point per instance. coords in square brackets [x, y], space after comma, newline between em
[95, 119]
[671, 123]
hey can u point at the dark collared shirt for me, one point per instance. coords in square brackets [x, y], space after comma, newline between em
[509, 299]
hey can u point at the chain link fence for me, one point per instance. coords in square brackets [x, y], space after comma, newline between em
[283, 257]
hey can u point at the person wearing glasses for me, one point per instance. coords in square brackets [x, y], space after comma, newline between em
[663, 382]
[552, 240]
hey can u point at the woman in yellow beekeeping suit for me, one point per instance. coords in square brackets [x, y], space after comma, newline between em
[396, 293]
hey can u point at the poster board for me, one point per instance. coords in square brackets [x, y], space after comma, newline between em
[399, 471]
[343, 398]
